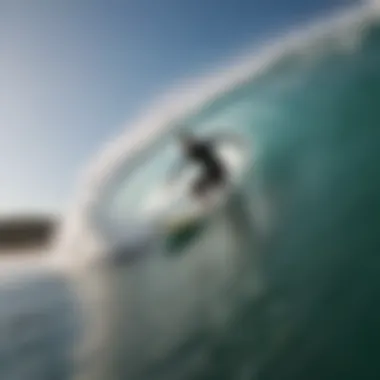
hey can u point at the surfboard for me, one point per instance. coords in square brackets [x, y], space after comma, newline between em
[182, 222]
[179, 232]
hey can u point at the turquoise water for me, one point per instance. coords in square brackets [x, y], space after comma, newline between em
[316, 123]
[313, 118]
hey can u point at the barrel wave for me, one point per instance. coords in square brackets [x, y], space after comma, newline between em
[282, 283]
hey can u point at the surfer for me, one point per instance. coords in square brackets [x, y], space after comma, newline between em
[203, 153]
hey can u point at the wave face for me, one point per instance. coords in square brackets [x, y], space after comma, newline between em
[314, 119]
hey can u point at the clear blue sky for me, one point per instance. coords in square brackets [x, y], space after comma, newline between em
[73, 71]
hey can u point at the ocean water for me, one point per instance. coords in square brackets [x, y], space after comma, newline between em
[291, 288]
[315, 120]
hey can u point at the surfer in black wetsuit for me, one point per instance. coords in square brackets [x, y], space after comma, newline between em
[203, 153]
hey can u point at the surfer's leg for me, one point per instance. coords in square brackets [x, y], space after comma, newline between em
[200, 187]
[202, 190]
[208, 182]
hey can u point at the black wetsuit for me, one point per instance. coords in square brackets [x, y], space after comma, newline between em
[213, 170]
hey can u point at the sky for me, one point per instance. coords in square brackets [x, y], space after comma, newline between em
[73, 73]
